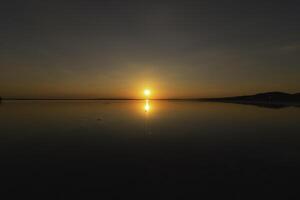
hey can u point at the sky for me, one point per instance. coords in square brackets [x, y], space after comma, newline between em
[178, 49]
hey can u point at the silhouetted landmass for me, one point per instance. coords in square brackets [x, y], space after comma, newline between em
[268, 99]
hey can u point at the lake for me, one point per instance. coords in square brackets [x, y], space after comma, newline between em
[156, 150]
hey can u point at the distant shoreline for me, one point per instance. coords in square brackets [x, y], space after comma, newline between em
[88, 99]
[273, 100]
[268, 97]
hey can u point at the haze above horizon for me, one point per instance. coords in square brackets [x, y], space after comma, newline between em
[179, 49]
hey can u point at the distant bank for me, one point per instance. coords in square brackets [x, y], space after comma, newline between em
[268, 99]
[271, 97]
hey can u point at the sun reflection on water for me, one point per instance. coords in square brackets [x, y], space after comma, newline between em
[147, 105]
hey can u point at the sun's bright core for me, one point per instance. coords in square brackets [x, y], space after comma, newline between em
[147, 92]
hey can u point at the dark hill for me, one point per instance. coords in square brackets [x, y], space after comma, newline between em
[265, 97]
[268, 99]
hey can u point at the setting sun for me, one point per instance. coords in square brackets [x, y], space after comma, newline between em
[147, 92]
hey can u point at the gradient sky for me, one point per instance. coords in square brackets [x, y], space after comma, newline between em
[115, 48]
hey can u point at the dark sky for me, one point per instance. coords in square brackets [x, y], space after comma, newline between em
[115, 48]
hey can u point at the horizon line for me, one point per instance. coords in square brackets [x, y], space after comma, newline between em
[91, 99]
[122, 98]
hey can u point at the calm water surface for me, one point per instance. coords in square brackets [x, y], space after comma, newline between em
[171, 150]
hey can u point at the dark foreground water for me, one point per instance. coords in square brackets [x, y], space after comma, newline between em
[176, 150]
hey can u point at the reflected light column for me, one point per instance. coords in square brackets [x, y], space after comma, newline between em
[147, 105]
[147, 109]
[147, 93]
